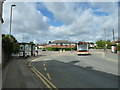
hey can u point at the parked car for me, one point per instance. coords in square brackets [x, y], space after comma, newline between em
[43, 49]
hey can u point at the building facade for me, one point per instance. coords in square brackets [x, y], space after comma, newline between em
[62, 44]
[42, 45]
[1, 21]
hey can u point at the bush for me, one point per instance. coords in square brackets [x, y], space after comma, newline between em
[10, 45]
[118, 47]
[58, 49]
[108, 47]
[99, 47]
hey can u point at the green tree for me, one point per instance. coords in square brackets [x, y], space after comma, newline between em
[108, 42]
[50, 42]
[31, 42]
[100, 43]
[10, 45]
[118, 47]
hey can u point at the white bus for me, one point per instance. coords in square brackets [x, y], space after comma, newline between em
[82, 48]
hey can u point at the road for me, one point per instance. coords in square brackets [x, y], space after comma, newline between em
[68, 70]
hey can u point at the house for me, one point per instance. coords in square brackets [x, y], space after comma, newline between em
[91, 45]
[42, 45]
[62, 44]
[116, 42]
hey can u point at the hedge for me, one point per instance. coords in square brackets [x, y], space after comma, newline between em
[118, 47]
[108, 47]
[58, 49]
[10, 45]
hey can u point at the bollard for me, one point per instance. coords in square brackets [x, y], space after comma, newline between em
[60, 50]
[64, 50]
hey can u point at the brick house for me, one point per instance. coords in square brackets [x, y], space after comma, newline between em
[62, 44]
[117, 42]
[42, 45]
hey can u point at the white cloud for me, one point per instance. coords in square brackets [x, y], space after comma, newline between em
[84, 25]
[26, 20]
[78, 23]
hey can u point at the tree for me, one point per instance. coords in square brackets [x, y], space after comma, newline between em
[10, 45]
[31, 42]
[100, 43]
[50, 42]
[118, 47]
[108, 42]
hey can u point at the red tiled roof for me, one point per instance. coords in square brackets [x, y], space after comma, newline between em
[118, 41]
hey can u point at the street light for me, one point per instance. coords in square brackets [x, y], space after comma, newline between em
[105, 39]
[11, 17]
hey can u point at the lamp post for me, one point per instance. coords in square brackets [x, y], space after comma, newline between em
[11, 17]
[105, 39]
[113, 35]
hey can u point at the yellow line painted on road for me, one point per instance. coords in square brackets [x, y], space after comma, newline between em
[48, 76]
[45, 69]
[45, 78]
[110, 59]
[103, 55]
[44, 64]
[41, 78]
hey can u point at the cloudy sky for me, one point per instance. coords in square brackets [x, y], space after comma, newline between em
[49, 21]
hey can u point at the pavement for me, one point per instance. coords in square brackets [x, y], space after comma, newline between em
[17, 75]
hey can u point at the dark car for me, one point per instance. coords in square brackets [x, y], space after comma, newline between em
[43, 49]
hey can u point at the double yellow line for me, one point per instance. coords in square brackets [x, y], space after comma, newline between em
[42, 77]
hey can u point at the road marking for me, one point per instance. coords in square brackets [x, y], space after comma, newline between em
[48, 76]
[103, 55]
[41, 78]
[44, 78]
[44, 64]
[45, 69]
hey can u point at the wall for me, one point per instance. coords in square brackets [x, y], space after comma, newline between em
[63, 46]
[0, 32]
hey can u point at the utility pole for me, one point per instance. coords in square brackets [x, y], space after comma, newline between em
[23, 38]
[113, 35]
[105, 39]
[46, 40]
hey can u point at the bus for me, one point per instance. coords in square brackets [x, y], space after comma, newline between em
[82, 48]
